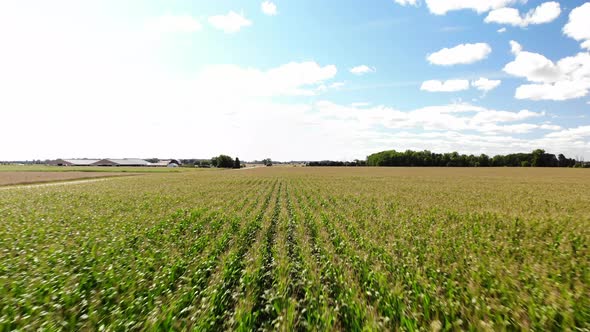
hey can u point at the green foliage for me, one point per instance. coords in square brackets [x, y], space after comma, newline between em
[223, 161]
[537, 158]
[300, 249]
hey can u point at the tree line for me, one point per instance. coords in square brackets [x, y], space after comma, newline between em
[332, 163]
[537, 158]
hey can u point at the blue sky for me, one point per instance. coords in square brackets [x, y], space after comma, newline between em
[292, 80]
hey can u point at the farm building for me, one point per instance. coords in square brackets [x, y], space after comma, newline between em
[166, 163]
[73, 162]
[121, 162]
[129, 162]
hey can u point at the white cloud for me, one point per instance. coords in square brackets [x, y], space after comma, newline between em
[460, 54]
[556, 91]
[230, 23]
[407, 2]
[569, 78]
[486, 85]
[441, 7]
[571, 134]
[173, 23]
[578, 25]
[501, 30]
[458, 117]
[544, 13]
[337, 85]
[515, 47]
[445, 86]
[362, 69]
[504, 16]
[269, 8]
[292, 79]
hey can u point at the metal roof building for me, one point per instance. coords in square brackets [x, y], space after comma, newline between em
[121, 162]
[73, 162]
[99, 162]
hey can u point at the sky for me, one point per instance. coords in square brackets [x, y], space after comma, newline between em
[292, 80]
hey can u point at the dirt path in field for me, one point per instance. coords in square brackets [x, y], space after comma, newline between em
[50, 184]
[22, 178]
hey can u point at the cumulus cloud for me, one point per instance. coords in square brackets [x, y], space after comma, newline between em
[269, 8]
[173, 23]
[515, 47]
[485, 85]
[445, 86]
[362, 69]
[292, 79]
[458, 117]
[576, 133]
[569, 78]
[544, 13]
[230, 23]
[556, 91]
[441, 7]
[578, 25]
[460, 54]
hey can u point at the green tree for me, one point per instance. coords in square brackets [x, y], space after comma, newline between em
[538, 158]
[237, 163]
[563, 162]
[225, 161]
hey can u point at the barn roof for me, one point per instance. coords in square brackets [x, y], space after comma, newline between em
[81, 162]
[129, 162]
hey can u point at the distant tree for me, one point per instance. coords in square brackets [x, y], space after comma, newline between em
[214, 162]
[525, 163]
[237, 163]
[484, 160]
[224, 161]
[267, 162]
[538, 158]
[205, 163]
[563, 161]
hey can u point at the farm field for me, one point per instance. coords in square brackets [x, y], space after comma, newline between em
[91, 169]
[14, 178]
[301, 249]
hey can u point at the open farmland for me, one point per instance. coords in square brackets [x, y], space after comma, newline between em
[13, 178]
[301, 249]
[90, 169]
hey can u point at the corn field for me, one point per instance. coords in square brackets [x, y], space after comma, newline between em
[300, 249]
